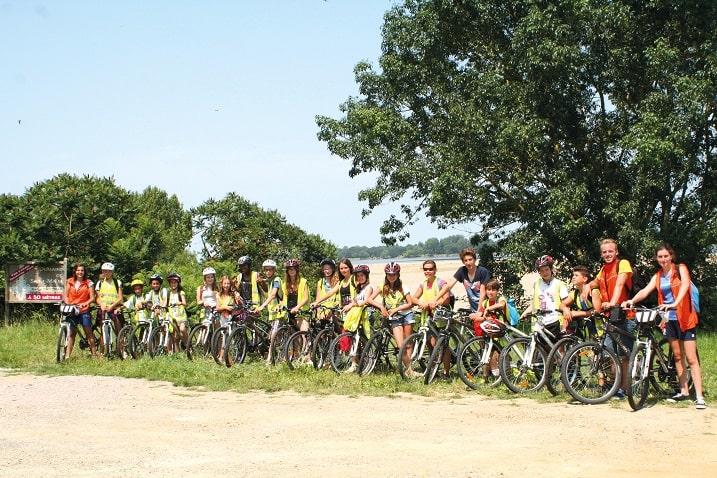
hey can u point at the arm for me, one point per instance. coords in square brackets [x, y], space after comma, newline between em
[200, 302]
[379, 305]
[66, 292]
[183, 299]
[404, 307]
[642, 295]
[447, 287]
[303, 302]
[329, 294]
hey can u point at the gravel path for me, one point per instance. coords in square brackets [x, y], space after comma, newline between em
[104, 426]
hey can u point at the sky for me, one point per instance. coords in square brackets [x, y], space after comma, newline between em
[197, 98]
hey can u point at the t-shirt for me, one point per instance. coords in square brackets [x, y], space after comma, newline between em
[548, 301]
[472, 284]
[607, 277]
[245, 287]
[667, 297]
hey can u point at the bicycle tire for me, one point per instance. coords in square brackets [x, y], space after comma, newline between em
[666, 382]
[597, 369]
[137, 346]
[155, 339]
[638, 378]
[320, 349]
[236, 347]
[435, 360]
[277, 346]
[297, 348]
[124, 339]
[340, 354]
[471, 368]
[61, 344]
[553, 382]
[107, 341]
[420, 352]
[197, 344]
[217, 337]
[515, 375]
[370, 354]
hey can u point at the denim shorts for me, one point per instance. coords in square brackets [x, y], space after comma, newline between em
[398, 320]
[672, 331]
[629, 327]
[84, 319]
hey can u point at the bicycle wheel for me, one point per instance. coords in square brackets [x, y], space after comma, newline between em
[61, 344]
[435, 360]
[414, 353]
[522, 373]
[124, 339]
[236, 347]
[107, 345]
[552, 381]
[219, 343]
[370, 354]
[155, 343]
[340, 351]
[666, 381]
[596, 372]
[473, 370]
[198, 343]
[320, 349]
[297, 349]
[137, 345]
[388, 361]
[280, 338]
[639, 372]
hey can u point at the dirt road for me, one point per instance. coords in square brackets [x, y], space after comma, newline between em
[103, 426]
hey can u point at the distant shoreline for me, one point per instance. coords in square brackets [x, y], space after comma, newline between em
[401, 260]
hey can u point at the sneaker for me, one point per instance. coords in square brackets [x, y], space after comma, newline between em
[678, 397]
[351, 369]
[619, 395]
[700, 404]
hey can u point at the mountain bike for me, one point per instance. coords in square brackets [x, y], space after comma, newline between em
[108, 333]
[160, 340]
[281, 330]
[345, 350]
[299, 346]
[416, 348]
[591, 371]
[67, 311]
[381, 350]
[523, 361]
[321, 347]
[480, 353]
[220, 338]
[449, 341]
[251, 337]
[651, 361]
[199, 343]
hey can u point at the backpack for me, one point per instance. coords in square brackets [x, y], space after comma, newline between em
[513, 315]
[694, 292]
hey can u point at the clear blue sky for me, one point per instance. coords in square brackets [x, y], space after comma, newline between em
[198, 98]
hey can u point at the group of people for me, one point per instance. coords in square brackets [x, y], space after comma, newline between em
[347, 287]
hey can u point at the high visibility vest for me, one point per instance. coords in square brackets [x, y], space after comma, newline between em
[256, 293]
[303, 294]
[323, 287]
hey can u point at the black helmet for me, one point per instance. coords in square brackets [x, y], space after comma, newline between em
[244, 260]
[156, 277]
[174, 275]
[328, 262]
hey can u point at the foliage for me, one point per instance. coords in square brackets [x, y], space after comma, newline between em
[431, 247]
[552, 123]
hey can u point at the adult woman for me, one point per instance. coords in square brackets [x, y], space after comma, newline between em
[394, 302]
[356, 309]
[79, 292]
[295, 290]
[672, 282]
[428, 290]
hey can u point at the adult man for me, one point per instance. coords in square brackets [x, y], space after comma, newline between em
[472, 276]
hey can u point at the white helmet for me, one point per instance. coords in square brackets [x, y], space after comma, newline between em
[108, 266]
[209, 271]
[493, 328]
[269, 263]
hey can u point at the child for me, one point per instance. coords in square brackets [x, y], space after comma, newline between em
[576, 308]
[176, 307]
[135, 303]
[548, 296]
[494, 308]
[295, 290]
[207, 292]
[355, 310]
[273, 301]
[226, 300]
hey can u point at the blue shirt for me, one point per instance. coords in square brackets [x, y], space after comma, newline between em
[668, 298]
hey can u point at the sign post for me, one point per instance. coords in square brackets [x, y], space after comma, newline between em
[34, 283]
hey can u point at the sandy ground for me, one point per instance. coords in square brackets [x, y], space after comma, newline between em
[103, 426]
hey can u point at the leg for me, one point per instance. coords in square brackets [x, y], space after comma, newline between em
[690, 349]
[71, 341]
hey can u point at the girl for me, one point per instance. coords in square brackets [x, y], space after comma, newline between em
[345, 287]
[493, 309]
[672, 282]
[394, 302]
[355, 310]
[176, 307]
[295, 290]
[207, 292]
[135, 303]
[325, 286]
[226, 300]
[80, 292]
[273, 301]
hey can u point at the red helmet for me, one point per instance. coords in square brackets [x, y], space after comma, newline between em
[362, 268]
[392, 268]
[544, 261]
[291, 263]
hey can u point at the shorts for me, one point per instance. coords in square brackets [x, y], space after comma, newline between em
[672, 331]
[629, 327]
[398, 320]
[84, 319]
[100, 316]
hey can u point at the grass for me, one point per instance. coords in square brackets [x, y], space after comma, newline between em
[30, 348]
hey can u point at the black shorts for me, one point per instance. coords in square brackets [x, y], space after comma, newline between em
[672, 331]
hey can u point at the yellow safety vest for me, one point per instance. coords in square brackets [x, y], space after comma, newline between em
[321, 291]
[256, 294]
[107, 293]
[303, 292]
[428, 295]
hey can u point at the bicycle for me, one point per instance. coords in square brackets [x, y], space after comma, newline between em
[523, 361]
[220, 338]
[345, 349]
[251, 337]
[449, 341]
[299, 346]
[381, 350]
[200, 337]
[476, 355]
[591, 371]
[416, 349]
[160, 340]
[321, 347]
[108, 333]
[67, 311]
[650, 363]
[281, 331]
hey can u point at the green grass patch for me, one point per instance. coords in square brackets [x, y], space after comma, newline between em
[30, 347]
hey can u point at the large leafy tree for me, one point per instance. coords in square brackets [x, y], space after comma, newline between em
[552, 123]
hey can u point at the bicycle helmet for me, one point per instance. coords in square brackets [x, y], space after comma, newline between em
[544, 261]
[156, 277]
[244, 261]
[137, 282]
[362, 268]
[392, 268]
[493, 328]
[174, 275]
[209, 271]
[108, 266]
[291, 263]
[269, 263]
[328, 262]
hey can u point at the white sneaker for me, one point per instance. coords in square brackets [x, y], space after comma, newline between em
[700, 404]
[351, 369]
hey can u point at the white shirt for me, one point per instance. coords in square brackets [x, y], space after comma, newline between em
[549, 302]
